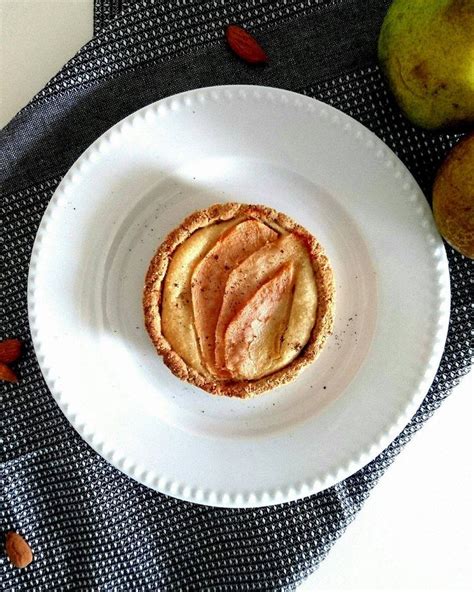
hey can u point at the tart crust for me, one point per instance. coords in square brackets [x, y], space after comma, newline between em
[152, 298]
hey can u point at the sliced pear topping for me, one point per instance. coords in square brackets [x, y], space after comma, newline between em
[254, 336]
[211, 273]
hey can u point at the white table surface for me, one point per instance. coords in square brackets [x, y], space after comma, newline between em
[416, 531]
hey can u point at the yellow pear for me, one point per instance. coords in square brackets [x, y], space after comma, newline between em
[453, 197]
[426, 49]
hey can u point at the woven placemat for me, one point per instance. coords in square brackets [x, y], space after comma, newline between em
[92, 528]
[106, 10]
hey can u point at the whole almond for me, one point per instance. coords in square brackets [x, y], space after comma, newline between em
[245, 45]
[18, 550]
[10, 350]
[7, 373]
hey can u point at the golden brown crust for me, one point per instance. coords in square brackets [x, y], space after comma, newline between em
[153, 292]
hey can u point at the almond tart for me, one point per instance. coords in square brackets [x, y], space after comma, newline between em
[239, 299]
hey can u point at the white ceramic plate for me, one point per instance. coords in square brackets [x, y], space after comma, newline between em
[258, 145]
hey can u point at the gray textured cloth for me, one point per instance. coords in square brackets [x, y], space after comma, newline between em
[92, 528]
[106, 10]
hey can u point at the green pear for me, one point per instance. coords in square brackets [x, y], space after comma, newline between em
[453, 197]
[426, 49]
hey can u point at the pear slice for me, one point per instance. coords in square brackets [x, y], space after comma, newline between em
[211, 273]
[177, 319]
[248, 277]
[254, 336]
